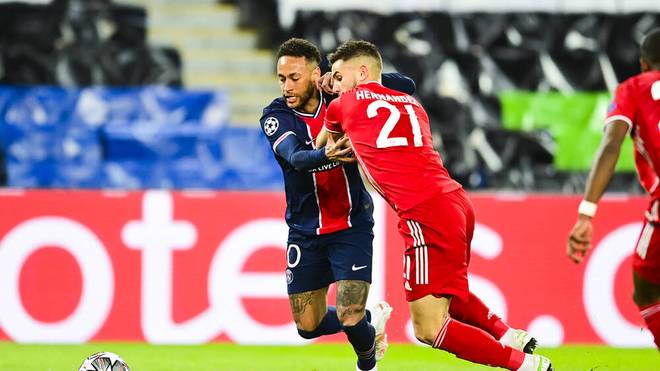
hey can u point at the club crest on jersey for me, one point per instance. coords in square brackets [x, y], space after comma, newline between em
[289, 276]
[612, 107]
[270, 126]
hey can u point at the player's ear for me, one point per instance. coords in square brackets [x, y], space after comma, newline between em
[644, 65]
[316, 74]
[364, 72]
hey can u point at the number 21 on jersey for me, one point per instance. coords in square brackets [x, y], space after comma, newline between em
[384, 140]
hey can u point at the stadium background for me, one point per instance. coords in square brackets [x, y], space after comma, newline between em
[142, 202]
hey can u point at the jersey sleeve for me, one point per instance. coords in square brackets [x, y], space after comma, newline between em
[277, 127]
[333, 117]
[399, 82]
[623, 106]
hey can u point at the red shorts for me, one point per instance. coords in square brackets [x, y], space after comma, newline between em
[646, 260]
[437, 235]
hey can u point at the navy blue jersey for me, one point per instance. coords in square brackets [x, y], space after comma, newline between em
[321, 196]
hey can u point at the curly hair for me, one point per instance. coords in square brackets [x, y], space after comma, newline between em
[295, 47]
[356, 48]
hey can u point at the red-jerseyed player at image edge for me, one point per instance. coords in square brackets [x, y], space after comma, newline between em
[635, 110]
[391, 138]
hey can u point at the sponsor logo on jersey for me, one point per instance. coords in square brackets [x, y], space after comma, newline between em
[289, 276]
[325, 167]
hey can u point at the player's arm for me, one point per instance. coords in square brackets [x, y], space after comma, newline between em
[303, 159]
[579, 240]
[605, 161]
[332, 129]
[293, 152]
[399, 82]
[279, 130]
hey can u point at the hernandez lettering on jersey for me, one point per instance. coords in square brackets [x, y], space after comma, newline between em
[392, 141]
[325, 198]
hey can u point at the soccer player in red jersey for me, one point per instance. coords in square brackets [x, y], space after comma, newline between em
[391, 139]
[635, 110]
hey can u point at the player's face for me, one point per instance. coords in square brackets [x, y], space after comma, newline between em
[296, 78]
[345, 75]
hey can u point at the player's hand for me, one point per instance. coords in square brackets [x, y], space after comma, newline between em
[340, 151]
[324, 83]
[579, 240]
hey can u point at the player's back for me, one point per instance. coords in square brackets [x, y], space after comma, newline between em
[392, 140]
[637, 102]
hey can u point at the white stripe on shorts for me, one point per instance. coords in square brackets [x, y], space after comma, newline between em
[644, 240]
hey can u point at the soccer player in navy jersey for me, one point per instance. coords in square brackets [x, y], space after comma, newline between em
[329, 211]
[391, 139]
[635, 111]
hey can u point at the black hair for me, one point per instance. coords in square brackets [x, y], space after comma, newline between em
[650, 48]
[295, 47]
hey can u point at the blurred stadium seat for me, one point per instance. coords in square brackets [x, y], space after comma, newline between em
[464, 63]
[150, 137]
[484, 72]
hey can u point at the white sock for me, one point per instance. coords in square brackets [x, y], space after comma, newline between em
[529, 363]
[507, 338]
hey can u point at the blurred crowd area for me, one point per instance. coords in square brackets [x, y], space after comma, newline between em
[167, 93]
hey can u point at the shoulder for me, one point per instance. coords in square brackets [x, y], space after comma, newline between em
[277, 105]
[639, 82]
[276, 117]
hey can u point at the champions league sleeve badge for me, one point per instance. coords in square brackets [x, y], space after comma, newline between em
[270, 126]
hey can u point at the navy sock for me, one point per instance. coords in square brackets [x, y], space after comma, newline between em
[329, 325]
[362, 336]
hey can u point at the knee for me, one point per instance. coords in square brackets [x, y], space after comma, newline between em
[350, 315]
[307, 325]
[642, 299]
[305, 334]
[308, 329]
[427, 331]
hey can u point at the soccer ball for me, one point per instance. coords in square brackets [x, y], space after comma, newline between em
[104, 361]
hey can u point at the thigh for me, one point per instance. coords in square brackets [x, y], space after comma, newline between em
[309, 308]
[646, 259]
[308, 266]
[352, 293]
[351, 300]
[437, 239]
[350, 253]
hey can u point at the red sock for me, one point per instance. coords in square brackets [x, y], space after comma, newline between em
[474, 312]
[651, 315]
[473, 344]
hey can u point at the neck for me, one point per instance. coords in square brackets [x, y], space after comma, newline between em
[312, 103]
[371, 78]
[368, 80]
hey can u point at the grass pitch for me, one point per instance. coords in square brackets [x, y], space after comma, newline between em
[317, 357]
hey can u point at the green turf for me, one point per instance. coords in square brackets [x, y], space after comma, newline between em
[330, 357]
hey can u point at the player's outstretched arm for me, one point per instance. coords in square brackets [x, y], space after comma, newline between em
[293, 152]
[579, 239]
[397, 81]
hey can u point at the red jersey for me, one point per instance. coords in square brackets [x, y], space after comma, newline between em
[392, 141]
[637, 102]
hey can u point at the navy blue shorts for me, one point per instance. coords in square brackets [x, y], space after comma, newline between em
[314, 262]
